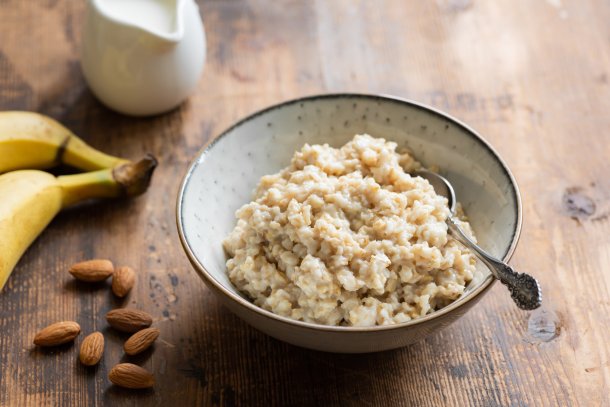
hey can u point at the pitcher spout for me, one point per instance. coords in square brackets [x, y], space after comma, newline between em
[160, 19]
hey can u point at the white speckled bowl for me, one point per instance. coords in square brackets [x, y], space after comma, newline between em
[224, 174]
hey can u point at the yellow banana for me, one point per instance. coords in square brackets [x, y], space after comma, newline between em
[30, 199]
[34, 141]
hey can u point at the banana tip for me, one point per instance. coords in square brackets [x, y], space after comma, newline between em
[135, 178]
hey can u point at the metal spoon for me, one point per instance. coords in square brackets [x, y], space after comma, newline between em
[524, 289]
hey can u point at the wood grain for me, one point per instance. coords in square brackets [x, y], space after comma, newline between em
[532, 77]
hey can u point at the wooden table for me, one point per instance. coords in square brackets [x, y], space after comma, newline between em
[532, 76]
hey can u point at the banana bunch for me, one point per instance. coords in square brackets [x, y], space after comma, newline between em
[30, 198]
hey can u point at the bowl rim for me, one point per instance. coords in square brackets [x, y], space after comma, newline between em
[242, 302]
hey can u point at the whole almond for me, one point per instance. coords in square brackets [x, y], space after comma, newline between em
[131, 376]
[92, 271]
[57, 334]
[122, 281]
[91, 349]
[128, 320]
[140, 341]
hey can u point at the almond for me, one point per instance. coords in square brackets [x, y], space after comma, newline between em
[122, 281]
[128, 320]
[92, 271]
[131, 376]
[91, 349]
[140, 341]
[57, 334]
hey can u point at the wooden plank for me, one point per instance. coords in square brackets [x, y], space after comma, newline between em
[532, 77]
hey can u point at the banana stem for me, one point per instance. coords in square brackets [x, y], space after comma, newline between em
[128, 179]
[76, 153]
[89, 185]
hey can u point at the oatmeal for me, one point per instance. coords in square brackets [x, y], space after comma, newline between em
[345, 236]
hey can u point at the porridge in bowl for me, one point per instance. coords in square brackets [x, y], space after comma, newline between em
[346, 236]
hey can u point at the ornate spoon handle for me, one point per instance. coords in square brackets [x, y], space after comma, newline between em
[524, 289]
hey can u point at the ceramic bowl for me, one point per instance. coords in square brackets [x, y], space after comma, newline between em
[224, 175]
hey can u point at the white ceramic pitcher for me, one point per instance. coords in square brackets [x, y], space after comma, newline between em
[143, 57]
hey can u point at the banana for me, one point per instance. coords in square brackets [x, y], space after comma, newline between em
[30, 199]
[34, 141]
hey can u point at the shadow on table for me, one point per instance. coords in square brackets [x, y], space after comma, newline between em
[234, 364]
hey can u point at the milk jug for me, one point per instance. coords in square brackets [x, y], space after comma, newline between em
[143, 57]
